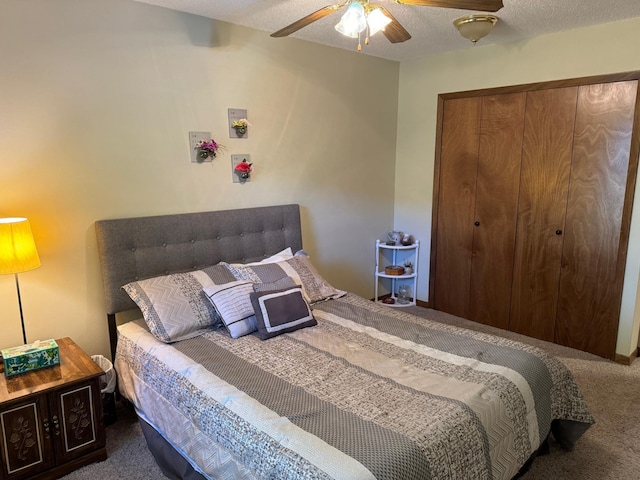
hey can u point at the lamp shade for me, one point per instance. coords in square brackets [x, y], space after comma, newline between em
[353, 21]
[377, 21]
[475, 27]
[18, 251]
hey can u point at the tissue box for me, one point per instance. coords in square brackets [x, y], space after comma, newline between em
[40, 354]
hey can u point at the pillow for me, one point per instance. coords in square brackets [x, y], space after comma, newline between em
[174, 306]
[284, 282]
[299, 267]
[232, 302]
[281, 311]
[285, 254]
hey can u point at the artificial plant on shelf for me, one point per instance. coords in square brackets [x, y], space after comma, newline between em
[408, 267]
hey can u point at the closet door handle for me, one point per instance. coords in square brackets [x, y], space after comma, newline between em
[477, 224]
[558, 232]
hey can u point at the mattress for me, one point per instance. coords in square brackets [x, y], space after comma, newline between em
[369, 393]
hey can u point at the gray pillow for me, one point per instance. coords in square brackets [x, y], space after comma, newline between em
[314, 287]
[281, 311]
[284, 282]
[175, 306]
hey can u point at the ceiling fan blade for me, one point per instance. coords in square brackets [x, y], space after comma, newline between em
[479, 5]
[394, 32]
[308, 20]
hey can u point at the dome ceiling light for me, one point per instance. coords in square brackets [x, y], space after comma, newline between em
[475, 27]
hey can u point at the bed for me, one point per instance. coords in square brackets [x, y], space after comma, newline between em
[331, 385]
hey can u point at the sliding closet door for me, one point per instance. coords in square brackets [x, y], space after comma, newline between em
[457, 192]
[591, 280]
[498, 181]
[546, 161]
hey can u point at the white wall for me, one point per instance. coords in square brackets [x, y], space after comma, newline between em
[583, 52]
[96, 101]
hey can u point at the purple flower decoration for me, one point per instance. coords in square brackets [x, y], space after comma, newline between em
[207, 148]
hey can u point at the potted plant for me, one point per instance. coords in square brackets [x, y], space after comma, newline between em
[408, 267]
[243, 170]
[206, 149]
[240, 126]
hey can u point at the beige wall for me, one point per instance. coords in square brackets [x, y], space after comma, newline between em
[96, 101]
[97, 98]
[583, 52]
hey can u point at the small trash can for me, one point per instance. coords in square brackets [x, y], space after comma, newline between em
[107, 388]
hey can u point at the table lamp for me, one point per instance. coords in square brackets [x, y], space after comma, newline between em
[17, 253]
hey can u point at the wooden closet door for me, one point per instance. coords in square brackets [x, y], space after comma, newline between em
[456, 200]
[546, 161]
[501, 127]
[591, 280]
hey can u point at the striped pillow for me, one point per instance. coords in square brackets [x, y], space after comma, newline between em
[314, 287]
[284, 282]
[233, 303]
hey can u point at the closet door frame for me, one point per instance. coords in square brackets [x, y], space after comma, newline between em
[631, 175]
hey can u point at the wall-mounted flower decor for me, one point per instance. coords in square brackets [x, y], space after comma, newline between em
[240, 126]
[243, 169]
[207, 148]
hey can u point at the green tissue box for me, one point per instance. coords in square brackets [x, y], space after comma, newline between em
[40, 354]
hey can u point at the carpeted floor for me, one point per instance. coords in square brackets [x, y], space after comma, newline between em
[610, 450]
[128, 455]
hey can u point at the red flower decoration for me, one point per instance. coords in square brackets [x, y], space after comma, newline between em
[243, 169]
[243, 166]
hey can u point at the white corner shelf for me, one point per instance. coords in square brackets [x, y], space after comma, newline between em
[399, 254]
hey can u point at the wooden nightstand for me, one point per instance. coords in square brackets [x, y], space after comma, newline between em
[51, 419]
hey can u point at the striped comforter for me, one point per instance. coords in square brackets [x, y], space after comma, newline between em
[370, 392]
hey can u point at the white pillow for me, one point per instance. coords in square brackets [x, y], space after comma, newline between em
[232, 301]
[285, 254]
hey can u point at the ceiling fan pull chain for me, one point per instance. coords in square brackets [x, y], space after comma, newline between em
[359, 44]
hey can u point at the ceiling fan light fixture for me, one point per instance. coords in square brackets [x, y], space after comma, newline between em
[475, 27]
[377, 21]
[353, 21]
[340, 27]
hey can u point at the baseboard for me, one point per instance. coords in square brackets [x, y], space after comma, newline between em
[624, 360]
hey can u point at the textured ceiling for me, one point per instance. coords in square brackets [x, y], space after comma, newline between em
[431, 28]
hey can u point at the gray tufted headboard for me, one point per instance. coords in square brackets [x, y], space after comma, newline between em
[137, 248]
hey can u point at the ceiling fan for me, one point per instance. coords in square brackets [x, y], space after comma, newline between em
[361, 15]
